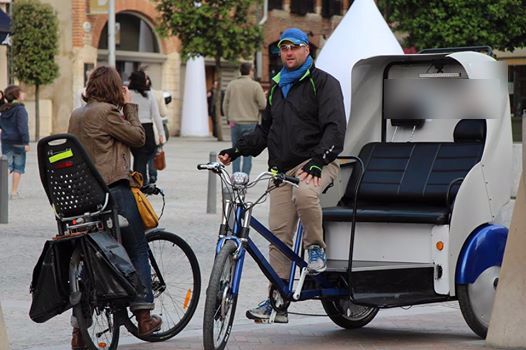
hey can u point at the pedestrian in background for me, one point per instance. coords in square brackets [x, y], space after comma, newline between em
[15, 134]
[163, 112]
[148, 115]
[212, 108]
[244, 99]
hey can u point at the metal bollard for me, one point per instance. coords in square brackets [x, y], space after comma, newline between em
[4, 179]
[211, 198]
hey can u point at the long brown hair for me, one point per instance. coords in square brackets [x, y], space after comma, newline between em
[10, 94]
[104, 85]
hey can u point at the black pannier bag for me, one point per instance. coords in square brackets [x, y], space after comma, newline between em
[49, 285]
[112, 271]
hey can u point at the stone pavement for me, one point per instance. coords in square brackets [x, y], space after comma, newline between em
[31, 222]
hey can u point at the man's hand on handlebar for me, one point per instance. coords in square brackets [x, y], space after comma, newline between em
[228, 155]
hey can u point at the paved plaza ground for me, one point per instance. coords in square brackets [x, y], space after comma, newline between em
[31, 222]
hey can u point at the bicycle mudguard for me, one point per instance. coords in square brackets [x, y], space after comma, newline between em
[111, 269]
[49, 286]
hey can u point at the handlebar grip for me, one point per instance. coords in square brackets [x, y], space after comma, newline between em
[292, 179]
[202, 166]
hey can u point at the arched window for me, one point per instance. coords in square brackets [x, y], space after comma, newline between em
[132, 34]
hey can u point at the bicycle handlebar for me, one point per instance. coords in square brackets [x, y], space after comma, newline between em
[220, 169]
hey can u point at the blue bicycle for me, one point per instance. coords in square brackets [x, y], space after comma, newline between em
[234, 242]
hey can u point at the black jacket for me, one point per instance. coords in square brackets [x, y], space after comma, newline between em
[309, 123]
[14, 124]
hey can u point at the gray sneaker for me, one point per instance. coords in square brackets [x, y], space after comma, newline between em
[317, 262]
[261, 313]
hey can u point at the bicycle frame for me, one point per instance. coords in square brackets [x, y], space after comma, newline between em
[240, 235]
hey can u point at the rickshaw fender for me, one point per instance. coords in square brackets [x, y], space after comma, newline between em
[483, 248]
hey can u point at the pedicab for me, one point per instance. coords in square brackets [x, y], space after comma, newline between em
[417, 213]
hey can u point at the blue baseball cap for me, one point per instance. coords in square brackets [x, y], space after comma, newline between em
[294, 35]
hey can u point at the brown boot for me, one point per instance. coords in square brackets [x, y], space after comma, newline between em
[147, 323]
[77, 343]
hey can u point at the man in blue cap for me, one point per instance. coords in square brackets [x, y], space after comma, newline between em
[303, 127]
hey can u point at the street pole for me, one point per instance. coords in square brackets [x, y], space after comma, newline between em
[4, 176]
[211, 197]
[111, 33]
[259, 54]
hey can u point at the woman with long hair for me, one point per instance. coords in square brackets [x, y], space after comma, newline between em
[15, 134]
[148, 115]
[107, 126]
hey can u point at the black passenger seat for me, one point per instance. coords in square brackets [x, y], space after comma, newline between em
[412, 182]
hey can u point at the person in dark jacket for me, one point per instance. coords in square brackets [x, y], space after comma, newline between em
[15, 134]
[303, 127]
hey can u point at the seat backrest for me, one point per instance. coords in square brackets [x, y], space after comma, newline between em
[419, 172]
[72, 183]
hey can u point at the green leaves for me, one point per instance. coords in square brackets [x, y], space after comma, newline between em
[35, 42]
[214, 28]
[452, 23]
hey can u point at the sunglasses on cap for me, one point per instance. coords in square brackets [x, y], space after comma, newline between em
[290, 47]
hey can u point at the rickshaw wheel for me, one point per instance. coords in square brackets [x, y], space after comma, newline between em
[348, 315]
[476, 300]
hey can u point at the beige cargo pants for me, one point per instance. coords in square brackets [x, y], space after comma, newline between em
[287, 203]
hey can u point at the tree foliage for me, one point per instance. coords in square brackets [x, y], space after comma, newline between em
[222, 29]
[35, 42]
[452, 23]
[214, 28]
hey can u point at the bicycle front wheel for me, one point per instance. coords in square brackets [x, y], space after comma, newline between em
[220, 305]
[97, 321]
[176, 284]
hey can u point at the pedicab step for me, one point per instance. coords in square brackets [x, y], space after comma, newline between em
[359, 265]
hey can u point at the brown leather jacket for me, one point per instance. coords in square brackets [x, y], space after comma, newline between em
[107, 136]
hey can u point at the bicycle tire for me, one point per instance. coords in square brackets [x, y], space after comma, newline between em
[103, 329]
[220, 305]
[172, 272]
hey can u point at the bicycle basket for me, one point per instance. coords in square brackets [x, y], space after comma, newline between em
[49, 285]
[111, 269]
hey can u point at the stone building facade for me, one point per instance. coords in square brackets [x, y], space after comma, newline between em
[83, 45]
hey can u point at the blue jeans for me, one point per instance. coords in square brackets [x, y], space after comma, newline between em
[16, 157]
[237, 131]
[134, 240]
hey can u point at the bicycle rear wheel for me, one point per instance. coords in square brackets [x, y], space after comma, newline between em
[176, 284]
[220, 305]
[97, 323]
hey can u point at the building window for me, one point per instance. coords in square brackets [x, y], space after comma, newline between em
[301, 7]
[331, 8]
[517, 88]
[133, 34]
[275, 4]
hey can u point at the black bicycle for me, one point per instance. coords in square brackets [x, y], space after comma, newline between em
[99, 281]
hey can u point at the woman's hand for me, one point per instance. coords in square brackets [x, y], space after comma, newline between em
[126, 94]
[26, 148]
[161, 139]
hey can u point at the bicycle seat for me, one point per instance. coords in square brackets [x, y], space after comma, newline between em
[75, 189]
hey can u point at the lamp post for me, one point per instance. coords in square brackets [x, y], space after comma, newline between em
[111, 33]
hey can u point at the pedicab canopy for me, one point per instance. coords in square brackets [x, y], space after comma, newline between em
[422, 97]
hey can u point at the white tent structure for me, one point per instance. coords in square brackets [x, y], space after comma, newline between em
[195, 115]
[362, 33]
